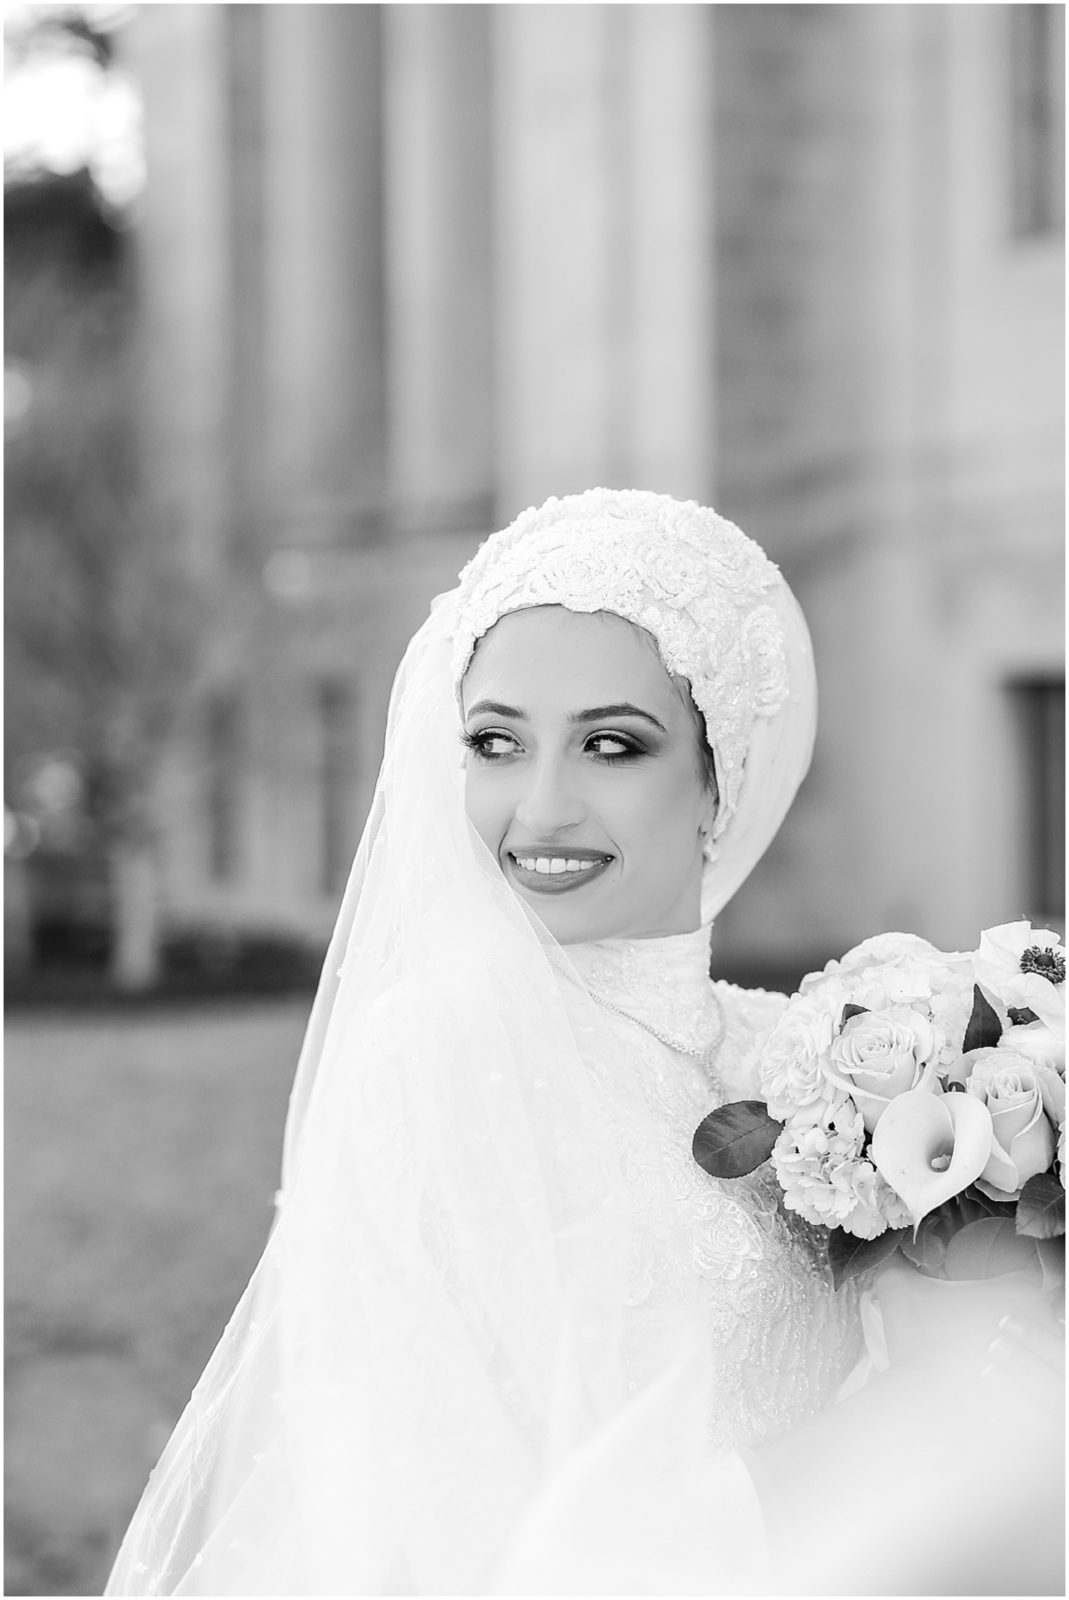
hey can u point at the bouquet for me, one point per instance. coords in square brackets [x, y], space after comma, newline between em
[914, 1100]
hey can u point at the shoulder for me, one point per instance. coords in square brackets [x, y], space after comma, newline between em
[415, 1014]
[749, 1008]
[747, 1014]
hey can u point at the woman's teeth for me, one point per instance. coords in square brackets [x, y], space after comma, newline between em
[553, 864]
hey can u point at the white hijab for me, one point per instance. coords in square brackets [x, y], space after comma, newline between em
[434, 1329]
[721, 616]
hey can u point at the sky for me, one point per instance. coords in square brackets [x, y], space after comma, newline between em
[61, 110]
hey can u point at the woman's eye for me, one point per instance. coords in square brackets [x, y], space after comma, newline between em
[612, 747]
[490, 745]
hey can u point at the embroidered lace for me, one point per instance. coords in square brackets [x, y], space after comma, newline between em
[692, 579]
[755, 1273]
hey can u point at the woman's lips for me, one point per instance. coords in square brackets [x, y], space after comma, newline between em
[556, 872]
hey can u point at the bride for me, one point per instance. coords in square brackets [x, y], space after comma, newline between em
[506, 1336]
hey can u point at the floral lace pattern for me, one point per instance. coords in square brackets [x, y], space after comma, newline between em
[686, 575]
[783, 1337]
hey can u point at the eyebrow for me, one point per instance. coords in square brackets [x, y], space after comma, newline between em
[622, 708]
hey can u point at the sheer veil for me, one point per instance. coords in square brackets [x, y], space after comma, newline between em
[434, 1331]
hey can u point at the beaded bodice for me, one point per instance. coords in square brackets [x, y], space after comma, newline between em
[783, 1338]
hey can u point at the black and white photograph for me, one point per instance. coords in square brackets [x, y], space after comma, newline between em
[534, 812]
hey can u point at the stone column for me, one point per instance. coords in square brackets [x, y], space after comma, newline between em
[901, 678]
[669, 379]
[324, 294]
[247, 115]
[439, 264]
[178, 55]
[606, 253]
[561, 271]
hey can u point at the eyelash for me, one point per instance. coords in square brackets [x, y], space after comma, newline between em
[477, 743]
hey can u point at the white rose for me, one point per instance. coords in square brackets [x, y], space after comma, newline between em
[884, 949]
[1012, 1088]
[880, 1055]
[902, 969]
[1038, 1042]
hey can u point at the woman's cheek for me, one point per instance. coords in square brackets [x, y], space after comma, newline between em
[485, 811]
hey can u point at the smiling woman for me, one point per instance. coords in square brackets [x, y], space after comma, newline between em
[507, 1336]
[594, 793]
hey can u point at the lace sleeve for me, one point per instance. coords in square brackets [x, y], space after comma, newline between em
[747, 1013]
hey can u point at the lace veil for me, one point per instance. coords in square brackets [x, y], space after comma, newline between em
[434, 1330]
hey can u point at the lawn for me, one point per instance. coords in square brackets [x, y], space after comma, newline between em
[142, 1158]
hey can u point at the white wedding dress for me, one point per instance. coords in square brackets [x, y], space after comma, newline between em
[773, 1342]
[784, 1338]
[502, 1307]
[663, 1502]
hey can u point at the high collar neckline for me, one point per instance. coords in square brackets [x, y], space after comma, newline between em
[662, 983]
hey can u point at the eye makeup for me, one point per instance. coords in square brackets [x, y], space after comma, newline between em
[633, 749]
[481, 740]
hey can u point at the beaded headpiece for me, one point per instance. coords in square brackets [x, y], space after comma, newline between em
[690, 578]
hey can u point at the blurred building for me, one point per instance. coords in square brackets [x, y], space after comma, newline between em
[408, 269]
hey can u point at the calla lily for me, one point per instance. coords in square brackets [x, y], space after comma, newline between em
[931, 1146]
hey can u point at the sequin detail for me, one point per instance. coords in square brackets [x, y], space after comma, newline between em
[783, 1338]
[690, 578]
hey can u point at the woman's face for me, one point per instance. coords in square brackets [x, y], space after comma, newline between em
[583, 774]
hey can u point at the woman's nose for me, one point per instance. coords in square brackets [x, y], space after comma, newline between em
[549, 801]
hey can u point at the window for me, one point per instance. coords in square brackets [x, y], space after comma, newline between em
[1040, 716]
[221, 799]
[1037, 124]
[336, 716]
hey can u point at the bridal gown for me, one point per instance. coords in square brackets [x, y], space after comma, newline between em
[467, 1493]
[783, 1338]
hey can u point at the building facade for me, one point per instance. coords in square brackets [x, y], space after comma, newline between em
[408, 269]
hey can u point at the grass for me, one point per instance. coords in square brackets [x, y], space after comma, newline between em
[142, 1158]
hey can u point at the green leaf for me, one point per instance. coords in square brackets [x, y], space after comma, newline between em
[735, 1139]
[848, 1256]
[986, 1249]
[1041, 1208]
[851, 1011]
[985, 1029]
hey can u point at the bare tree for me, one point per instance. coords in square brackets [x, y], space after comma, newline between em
[106, 619]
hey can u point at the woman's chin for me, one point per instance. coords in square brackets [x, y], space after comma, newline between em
[569, 924]
[584, 912]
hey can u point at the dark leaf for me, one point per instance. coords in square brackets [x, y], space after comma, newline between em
[849, 1256]
[735, 1139]
[985, 1029]
[852, 1011]
[987, 1248]
[974, 1204]
[928, 1248]
[1051, 1253]
[1041, 1208]
[1020, 1016]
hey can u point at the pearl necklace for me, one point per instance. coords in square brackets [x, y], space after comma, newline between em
[703, 1052]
